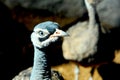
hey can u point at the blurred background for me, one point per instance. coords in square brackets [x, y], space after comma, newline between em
[18, 17]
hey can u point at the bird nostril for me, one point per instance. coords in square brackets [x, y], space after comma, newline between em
[57, 32]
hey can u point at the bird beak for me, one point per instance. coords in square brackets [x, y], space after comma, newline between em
[60, 33]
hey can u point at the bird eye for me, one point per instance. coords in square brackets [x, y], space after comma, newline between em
[41, 33]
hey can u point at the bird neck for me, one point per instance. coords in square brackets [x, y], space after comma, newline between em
[91, 13]
[41, 69]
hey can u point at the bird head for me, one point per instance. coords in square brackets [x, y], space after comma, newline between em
[46, 32]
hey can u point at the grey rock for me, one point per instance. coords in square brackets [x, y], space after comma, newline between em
[108, 10]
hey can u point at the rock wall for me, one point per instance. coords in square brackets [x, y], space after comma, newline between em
[108, 10]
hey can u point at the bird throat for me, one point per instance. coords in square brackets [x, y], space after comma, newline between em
[41, 69]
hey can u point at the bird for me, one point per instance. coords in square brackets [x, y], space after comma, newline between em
[88, 40]
[89, 43]
[43, 35]
[84, 37]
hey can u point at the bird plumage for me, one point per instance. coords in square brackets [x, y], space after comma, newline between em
[43, 34]
[83, 39]
[87, 44]
[25, 75]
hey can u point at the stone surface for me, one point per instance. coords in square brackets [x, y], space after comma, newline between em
[108, 10]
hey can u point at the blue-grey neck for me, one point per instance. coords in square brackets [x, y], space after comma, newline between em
[41, 69]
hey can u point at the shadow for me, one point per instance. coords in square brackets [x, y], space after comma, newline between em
[81, 19]
[18, 10]
[109, 71]
[14, 45]
[54, 51]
